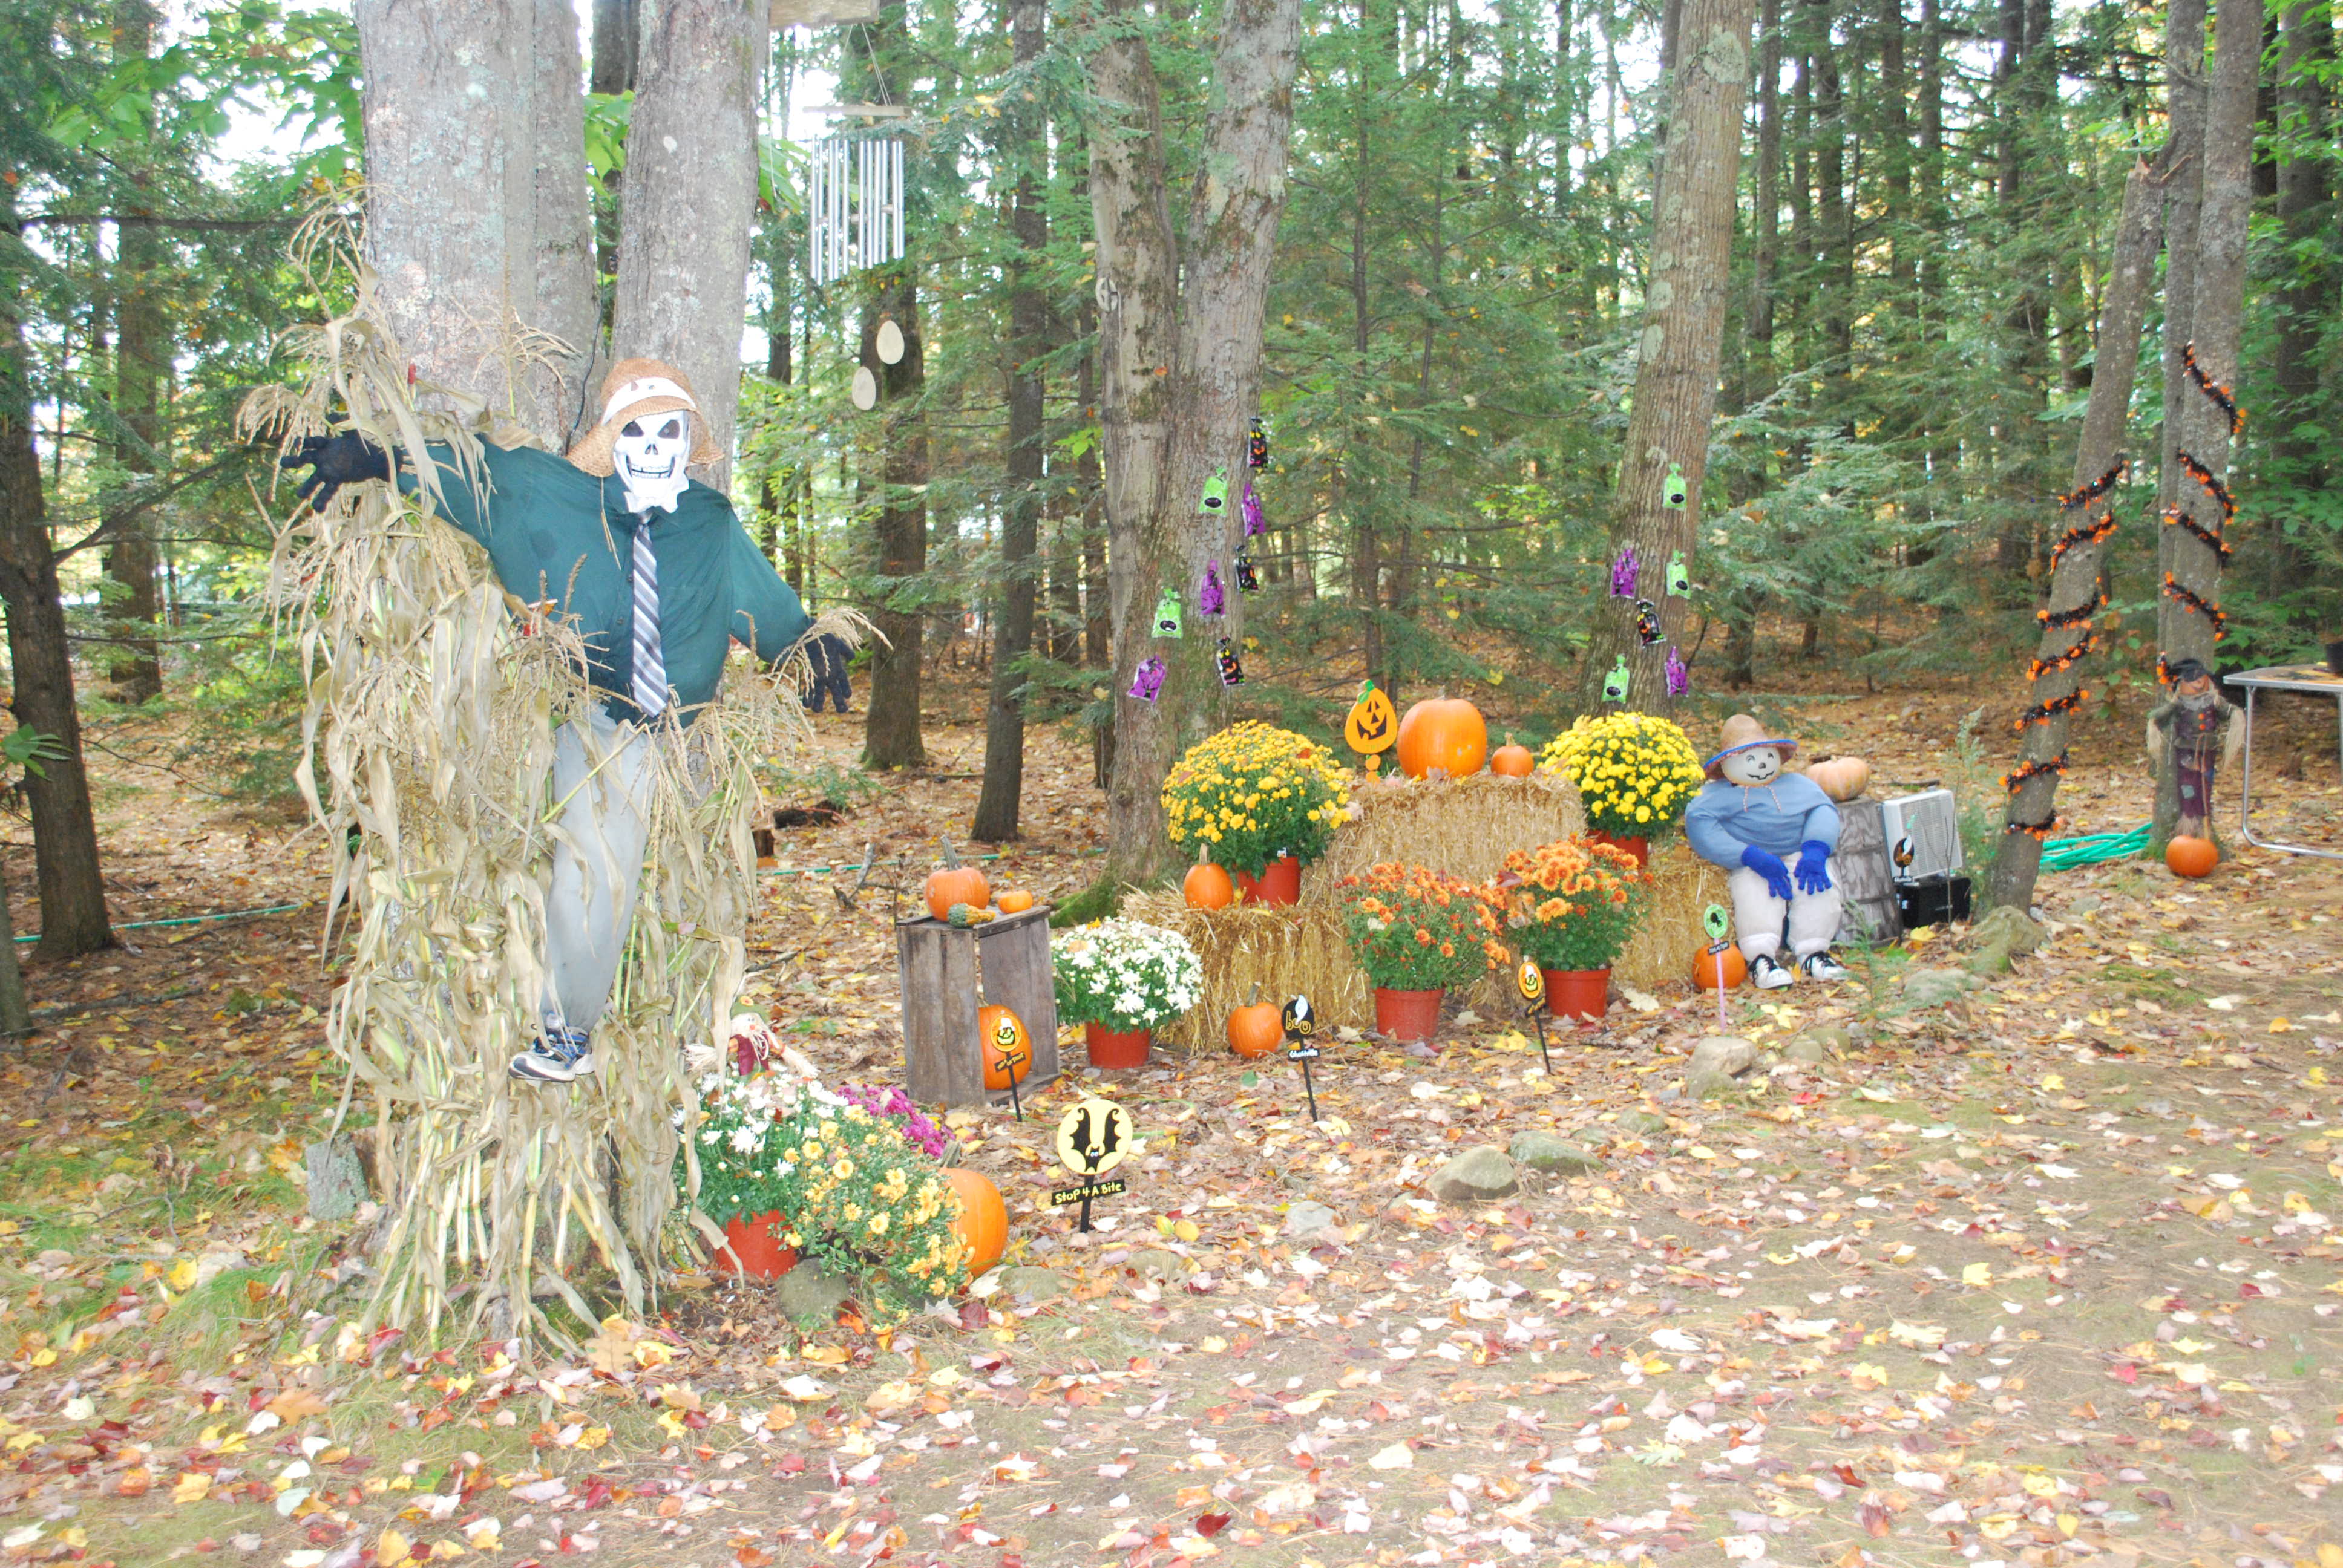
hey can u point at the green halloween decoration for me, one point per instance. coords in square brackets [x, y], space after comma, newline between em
[1216, 494]
[1679, 579]
[1675, 492]
[1615, 685]
[1167, 614]
[1716, 921]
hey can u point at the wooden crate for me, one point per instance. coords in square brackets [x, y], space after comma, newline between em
[944, 972]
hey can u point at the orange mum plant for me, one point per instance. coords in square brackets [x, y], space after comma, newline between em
[1573, 904]
[1414, 928]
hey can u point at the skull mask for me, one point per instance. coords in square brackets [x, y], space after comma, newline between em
[648, 453]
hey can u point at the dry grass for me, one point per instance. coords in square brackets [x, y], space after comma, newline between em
[1285, 951]
[1463, 826]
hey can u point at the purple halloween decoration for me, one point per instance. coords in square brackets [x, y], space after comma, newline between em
[1679, 677]
[1247, 579]
[1231, 669]
[1147, 682]
[1623, 572]
[1212, 599]
[1647, 622]
[1249, 504]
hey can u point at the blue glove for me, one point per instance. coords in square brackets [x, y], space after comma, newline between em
[1814, 876]
[1770, 866]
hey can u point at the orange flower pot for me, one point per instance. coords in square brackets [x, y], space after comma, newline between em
[1407, 1016]
[755, 1240]
[1278, 883]
[1115, 1048]
[1577, 993]
[1640, 848]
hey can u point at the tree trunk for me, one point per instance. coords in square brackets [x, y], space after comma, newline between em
[1098, 623]
[15, 1018]
[1180, 344]
[690, 200]
[476, 213]
[1687, 286]
[2215, 326]
[891, 726]
[2306, 53]
[2077, 565]
[142, 373]
[1028, 340]
[64, 834]
[615, 22]
[2184, 70]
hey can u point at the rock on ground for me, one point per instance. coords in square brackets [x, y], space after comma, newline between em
[1934, 988]
[2004, 934]
[1545, 1152]
[1718, 1061]
[1034, 1284]
[1478, 1174]
[1308, 1219]
[805, 1292]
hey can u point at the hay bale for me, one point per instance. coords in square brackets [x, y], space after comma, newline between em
[1285, 951]
[1464, 827]
[1671, 934]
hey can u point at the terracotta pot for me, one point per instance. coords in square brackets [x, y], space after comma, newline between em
[1280, 883]
[1639, 847]
[1115, 1048]
[756, 1241]
[1407, 1015]
[1577, 993]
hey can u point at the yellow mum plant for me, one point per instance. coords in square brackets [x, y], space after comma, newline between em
[1254, 791]
[1634, 773]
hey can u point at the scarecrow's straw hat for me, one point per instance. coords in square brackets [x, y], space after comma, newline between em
[1740, 734]
[634, 389]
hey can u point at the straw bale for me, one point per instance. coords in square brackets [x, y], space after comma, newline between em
[1284, 949]
[1460, 826]
[1670, 935]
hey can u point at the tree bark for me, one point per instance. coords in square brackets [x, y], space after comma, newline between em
[15, 1018]
[565, 274]
[64, 833]
[2215, 326]
[1097, 622]
[690, 200]
[615, 27]
[1028, 340]
[2306, 53]
[1180, 345]
[2076, 571]
[142, 373]
[2184, 70]
[1679, 350]
[891, 725]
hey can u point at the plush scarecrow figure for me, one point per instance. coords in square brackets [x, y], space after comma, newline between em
[1754, 819]
[658, 577]
[2197, 723]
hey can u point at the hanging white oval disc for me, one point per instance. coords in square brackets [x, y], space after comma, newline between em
[866, 388]
[891, 342]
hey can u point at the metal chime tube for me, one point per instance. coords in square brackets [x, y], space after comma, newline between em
[897, 196]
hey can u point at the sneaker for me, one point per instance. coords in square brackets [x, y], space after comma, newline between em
[1767, 975]
[1822, 966]
[560, 1055]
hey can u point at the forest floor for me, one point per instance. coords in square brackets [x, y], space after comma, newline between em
[2046, 1275]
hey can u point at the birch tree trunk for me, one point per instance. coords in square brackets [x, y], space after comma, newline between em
[2192, 568]
[1180, 363]
[1688, 286]
[2075, 573]
[1028, 340]
[689, 199]
[476, 171]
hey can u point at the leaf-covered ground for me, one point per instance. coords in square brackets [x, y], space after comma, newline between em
[2045, 1273]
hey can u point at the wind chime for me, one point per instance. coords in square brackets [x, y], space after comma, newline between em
[854, 205]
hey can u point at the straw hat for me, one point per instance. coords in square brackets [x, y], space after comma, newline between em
[1740, 734]
[633, 390]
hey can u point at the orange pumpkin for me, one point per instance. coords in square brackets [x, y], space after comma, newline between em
[956, 885]
[2192, 857]
[1444, 732]
[1703, 969]
[983, 1224]
[1208, 886]
[1841, 778]
[1256, 1028]
[1511, 761]
[1015, 901]
[1006, 1048]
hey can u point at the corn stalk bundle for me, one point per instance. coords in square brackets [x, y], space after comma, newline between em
[428, 749]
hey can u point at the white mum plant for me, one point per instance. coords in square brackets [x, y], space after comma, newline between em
[1125, 975]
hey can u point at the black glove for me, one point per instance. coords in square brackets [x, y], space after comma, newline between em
[335, 461]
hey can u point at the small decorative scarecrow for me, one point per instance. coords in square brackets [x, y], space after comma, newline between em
[1754, 819]
[2195, 722]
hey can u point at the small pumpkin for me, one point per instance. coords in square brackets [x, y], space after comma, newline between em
[1703, 969]
[982, 1224]
[1207, 886]
[1444, 732]
[1007, 1048]
[1015, 901]
[953, 883]
[1256, 1028]
[2192, 857]
[1511, 761]
[1841, 778]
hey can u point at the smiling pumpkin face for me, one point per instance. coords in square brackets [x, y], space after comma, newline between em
[1757, 765]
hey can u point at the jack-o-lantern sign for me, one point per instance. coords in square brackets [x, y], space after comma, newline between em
[1373, 728]
[1007, 1054]
[1530, 981]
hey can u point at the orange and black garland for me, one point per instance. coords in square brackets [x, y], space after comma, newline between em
[2083, 641]
[2212, 539]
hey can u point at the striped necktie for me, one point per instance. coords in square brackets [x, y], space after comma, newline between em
[650, 662]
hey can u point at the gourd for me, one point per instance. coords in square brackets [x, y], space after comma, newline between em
[1015, 901]
[960, 917]
[1841, 778]
[1256, 1028]
[2192, 857]
[953, 883]
[1511, 761]
[1006, 1051]
[982, 1224]
[1703, 969]
[1207, 886]
[1444, 732]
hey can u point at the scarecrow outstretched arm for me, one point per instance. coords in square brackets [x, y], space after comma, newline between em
[506, 479]
[766, 614]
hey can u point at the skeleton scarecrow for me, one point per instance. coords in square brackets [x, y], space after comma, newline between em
[659, 578]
